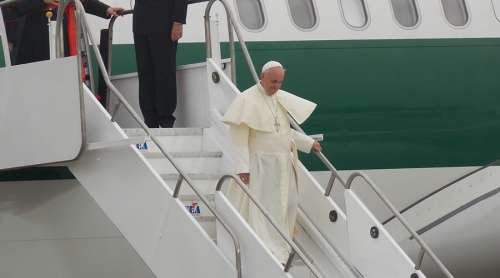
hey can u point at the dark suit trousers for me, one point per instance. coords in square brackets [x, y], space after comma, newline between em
[156, 67]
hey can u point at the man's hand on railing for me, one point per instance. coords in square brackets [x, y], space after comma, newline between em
[244, 177]
[316, 147]
[114, 11]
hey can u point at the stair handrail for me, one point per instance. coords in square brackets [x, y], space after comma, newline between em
[4, 40]
[84, 28]
[232, 24]
[447, 185]
[295, 249]
[458, 210]
[111, 26]
[109, 62]
[424, 248]
[3, 32]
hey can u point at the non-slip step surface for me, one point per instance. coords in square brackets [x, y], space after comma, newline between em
[204, 182]
[158, 155]
[207, 165]
[181, 143]
[166, 131]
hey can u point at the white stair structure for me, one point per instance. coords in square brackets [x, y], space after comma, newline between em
[197, 155]
[139, 189]
[460, 208]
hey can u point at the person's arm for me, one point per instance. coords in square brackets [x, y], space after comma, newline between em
[179, 12]
[304, 143]
[100, 9]
[239, 137]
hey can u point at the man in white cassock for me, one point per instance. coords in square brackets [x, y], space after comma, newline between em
[265, 148]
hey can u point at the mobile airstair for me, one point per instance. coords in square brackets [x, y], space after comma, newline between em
[163, 189]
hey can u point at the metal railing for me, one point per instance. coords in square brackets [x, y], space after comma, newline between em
[83, 44]
[59, 44]
[424, 248]
[231, 25]
[460, 209]
[5, 42]
[451, 183]
[111, 26]
[109, 62]
[232, 52]
[3, 32]
[295, 249]
[83, 28]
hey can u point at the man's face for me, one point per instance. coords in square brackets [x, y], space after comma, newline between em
[272, 79]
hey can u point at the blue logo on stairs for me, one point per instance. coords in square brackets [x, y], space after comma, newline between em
[193, 208]
[142, 146]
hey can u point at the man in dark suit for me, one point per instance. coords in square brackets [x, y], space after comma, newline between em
[157, 27]
[34, 36]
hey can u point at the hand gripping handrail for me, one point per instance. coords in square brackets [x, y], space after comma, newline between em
[84, 28]
[455, 181]
[424, 248]
[231, 24]
[295, 249]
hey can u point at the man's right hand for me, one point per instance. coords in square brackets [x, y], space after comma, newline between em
[245, 178]
[176, 32]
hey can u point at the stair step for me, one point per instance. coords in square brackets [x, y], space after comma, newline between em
[159, 155]
[195, 206]
[195, 198]
[196, 155]
[205, 165]
[166, 131]
[193, 176]
[205, 182]
[181, 143]
[200, 212]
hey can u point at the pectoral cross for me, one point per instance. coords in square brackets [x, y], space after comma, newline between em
[276, 125]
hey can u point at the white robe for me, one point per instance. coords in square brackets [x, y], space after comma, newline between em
[270, 157]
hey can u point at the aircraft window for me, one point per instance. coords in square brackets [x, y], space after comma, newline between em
[456, 12]
[496, 8]
[355, 13]
[303, 13]
[406, 12]
[251, 13]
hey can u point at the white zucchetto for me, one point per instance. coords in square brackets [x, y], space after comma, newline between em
[270, 65]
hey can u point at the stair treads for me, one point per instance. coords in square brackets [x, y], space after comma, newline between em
[166, 131]
[159, 155]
